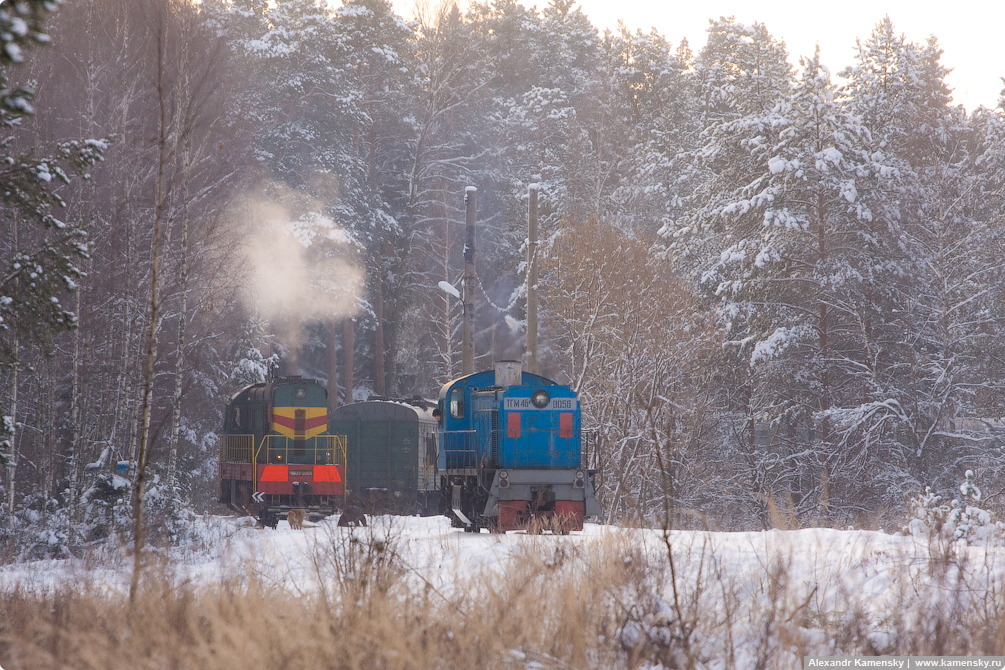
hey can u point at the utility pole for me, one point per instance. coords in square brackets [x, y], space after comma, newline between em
[348, 349]
[468, 326]
[532, 281]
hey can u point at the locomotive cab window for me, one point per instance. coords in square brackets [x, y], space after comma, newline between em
[235, 418]
[457, 403]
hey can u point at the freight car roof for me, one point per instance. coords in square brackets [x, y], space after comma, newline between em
[381, 410]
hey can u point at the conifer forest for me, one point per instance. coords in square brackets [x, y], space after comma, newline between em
[778, 290]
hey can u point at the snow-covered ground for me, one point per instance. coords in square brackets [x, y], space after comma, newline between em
[829, 562]
[866, 563]
[817, 591]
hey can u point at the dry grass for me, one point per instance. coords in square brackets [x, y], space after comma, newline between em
[552, 603]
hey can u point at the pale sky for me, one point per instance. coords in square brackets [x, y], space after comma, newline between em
[970, 32]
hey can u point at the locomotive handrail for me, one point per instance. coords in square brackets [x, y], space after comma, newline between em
[333, 453]
[461, 446]
[319, 450]
[237, 448]
[461, 449]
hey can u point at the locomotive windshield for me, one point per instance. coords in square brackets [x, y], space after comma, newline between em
[457, 403]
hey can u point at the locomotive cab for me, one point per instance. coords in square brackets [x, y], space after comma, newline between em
[513, 453]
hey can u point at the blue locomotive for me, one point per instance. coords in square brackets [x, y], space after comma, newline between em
[512, 453]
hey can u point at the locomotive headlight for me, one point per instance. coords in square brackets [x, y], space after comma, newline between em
[540, 398]
[503, 474]
[580, 479]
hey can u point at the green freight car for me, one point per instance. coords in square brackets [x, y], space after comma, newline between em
[391, 450]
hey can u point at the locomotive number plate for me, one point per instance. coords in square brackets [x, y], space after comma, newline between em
[300, 473]
[555, 404]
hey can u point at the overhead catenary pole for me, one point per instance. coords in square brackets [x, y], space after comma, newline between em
[532, 280]
[468, 326]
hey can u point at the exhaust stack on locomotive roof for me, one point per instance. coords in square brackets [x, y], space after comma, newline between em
[532, 365]
[468, 321]
[509, 373]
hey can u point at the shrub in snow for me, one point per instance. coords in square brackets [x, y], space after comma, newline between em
[106, 508]
[959, 520]
[169, 516]
[653, 632]
[42, 528]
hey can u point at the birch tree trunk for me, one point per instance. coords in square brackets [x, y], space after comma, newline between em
[125, 419]
[163, 159]
[72, 461]
[12, 463]
[179, 367]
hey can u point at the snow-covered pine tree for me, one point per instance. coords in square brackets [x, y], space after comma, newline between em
[251, 365]
[732, 132]
[545, 124]
[333, 128]
[571, 51]
[452, 98]
[377, 49]
[741, 70]
[797, 241]
[739, 77]
[540, 137]
[932, 316]
[40, 255]
[649, 130]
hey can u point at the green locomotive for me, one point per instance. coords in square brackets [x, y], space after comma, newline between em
[277, 454]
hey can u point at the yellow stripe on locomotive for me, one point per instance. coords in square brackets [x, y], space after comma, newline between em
[299, 423]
